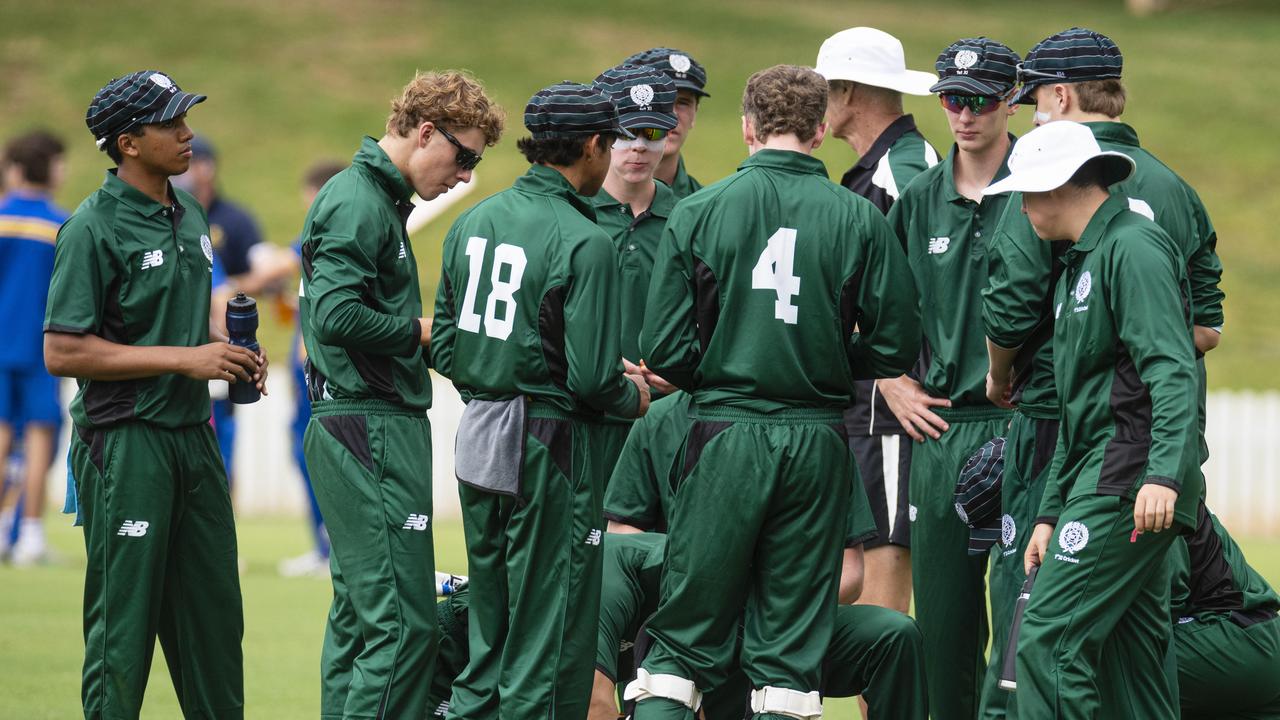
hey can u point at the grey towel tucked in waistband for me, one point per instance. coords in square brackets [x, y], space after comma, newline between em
[489, 449]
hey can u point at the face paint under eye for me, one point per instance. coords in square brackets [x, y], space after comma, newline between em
[638, 143]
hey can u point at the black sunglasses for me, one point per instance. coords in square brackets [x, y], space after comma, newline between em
[466, 158]
[1026, 73]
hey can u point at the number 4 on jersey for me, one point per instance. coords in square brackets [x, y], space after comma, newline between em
[504, 291]
[773, 271]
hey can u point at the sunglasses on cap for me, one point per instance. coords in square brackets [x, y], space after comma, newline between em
[466, 158]
[977, 104]
[1025, 73]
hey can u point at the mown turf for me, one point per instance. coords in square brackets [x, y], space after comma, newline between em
[292, 81]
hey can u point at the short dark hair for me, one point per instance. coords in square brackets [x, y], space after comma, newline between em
[1092, 174]
[34, 152]
[558, 151]
[112, 146]
[321, 172]
[785, 100]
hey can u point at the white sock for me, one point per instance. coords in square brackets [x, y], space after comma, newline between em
[31, 530]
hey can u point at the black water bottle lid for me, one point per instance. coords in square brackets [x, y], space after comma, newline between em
[242, 303]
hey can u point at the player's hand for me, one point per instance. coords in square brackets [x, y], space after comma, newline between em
[643, 387]
[1037, 547]
[656, 382]
[1000, 390]
[1153, 510]
[425, 338]
[260, 378]
[913, 407]
[218, 361]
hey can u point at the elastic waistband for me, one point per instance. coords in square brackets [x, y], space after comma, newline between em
[972, 413]
[549, 412]
[1037, 411]
[363, 407]
[782, 416]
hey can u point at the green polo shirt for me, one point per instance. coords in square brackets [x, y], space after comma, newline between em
[1124, 366]
[760, 281]
[945, 235]
[683, 184]
[1017, 306]
[359, 300]
[527, 302]
[135, 272]
[1157, 192]
[636, 240]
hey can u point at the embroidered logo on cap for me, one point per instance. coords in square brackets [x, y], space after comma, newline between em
[642, 95]
[162, 80]
[680, 63]
[966, 59]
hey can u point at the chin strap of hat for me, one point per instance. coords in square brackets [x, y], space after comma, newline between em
[784, 701]
[669, 687]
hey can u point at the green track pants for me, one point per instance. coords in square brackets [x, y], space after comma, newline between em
[370, 464]
[534, 563]
[1095, 634]
[755, 540]
[161, 546]
[1227, 670]
[949, 584]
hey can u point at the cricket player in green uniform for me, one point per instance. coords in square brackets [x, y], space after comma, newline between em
[691, 80]
[1124, 477]
[759, 284]
[128, 317]
[1225, 632]
[867, 75]
[945, 224]
[633, 208]
[1075, 75]
[526, 326]
[368, 445]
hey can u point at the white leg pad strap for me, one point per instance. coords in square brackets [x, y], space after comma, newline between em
[669, 687]
[782, 701]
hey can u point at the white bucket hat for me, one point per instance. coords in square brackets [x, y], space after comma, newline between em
[871, 57]
[1046, 158]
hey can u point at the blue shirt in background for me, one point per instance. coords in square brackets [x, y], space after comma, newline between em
[28, 227]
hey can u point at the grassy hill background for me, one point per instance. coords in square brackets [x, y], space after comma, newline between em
[290, 82]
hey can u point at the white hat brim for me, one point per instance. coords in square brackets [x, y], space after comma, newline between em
[910, 82]
[1046, 178]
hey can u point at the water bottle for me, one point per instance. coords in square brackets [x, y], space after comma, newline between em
[242, 329]
[1008, 673]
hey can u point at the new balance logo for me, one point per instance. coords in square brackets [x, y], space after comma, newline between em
[403, 253]
[593, 537]
[152, 258]
[134, 528]
[415, 522]
[441, 710]
[939, 245]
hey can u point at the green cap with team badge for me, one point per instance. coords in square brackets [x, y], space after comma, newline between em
[1074, 55]
[976, 66]
[569, 109]
[675, 64]
[141, 98]
[644, 97]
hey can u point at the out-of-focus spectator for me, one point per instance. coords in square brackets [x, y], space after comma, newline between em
[316, 561]
[29, 221]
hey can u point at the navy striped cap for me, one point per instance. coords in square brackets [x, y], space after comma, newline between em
[141, 98]
[1073, 55]
[976, 66]
[644, 97]
[978, 495]
[677, 65]
[570, 109]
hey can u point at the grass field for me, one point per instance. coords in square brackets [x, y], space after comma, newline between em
[41, 645]
[292, 81]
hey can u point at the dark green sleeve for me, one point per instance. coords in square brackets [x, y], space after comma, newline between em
[83, 268]
[1204, 271]
[344, 263]
[591, 331]
[1019, 265]
[1146, 302]
[632, 495]
[444, 322]
[668, 341]
[888, 337]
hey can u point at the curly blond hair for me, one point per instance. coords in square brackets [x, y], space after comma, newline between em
[785, 99]
[450, 98]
